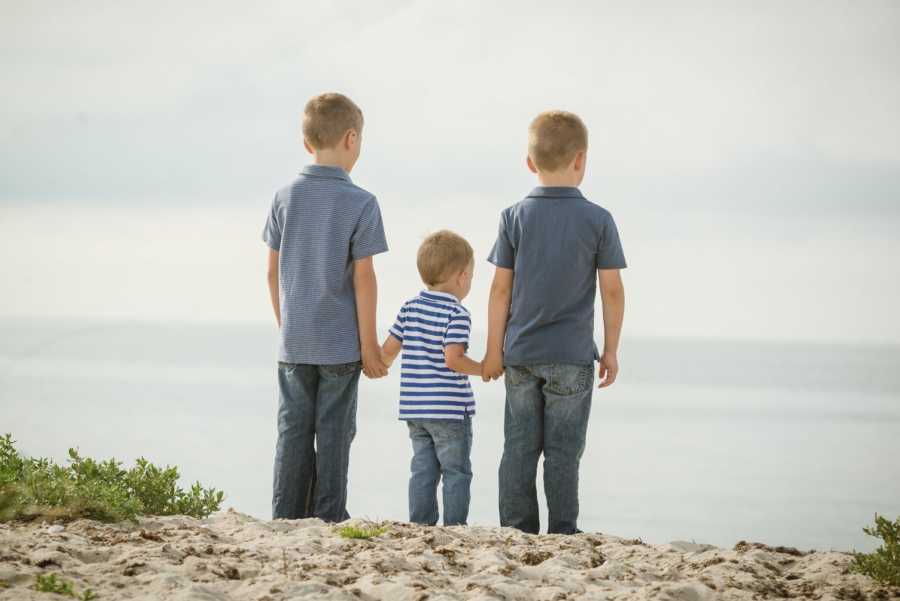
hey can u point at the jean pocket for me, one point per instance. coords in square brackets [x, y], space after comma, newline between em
[340, 370]
[571, 379]
[286, 368]
[515, 376]
[448, 431]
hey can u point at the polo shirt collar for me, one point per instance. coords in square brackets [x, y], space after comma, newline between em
[326, 171]
[556, 192]
[434, 295]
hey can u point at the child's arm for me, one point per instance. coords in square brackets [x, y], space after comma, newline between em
[612, 293]
[366, 288]
[390, 349]
[272, 277]
[498, 312]
[456, 359]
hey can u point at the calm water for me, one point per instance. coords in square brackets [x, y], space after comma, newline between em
[712, 441]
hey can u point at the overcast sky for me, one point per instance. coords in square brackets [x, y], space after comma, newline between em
[749, 151]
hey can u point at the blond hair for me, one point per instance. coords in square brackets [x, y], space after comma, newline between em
[554, 138]
[441, 255]
[327, 117]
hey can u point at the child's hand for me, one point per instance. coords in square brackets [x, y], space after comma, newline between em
[373, 364]
[389, 350]
[386, 359]
[608, 370]
[492, 367]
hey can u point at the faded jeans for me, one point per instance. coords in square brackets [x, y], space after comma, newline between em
[547, 410]
[441, 451]
[316, 424]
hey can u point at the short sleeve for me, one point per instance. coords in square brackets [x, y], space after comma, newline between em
[368, 237]
[503, 254]
[458, 330]
[272, 231]
[609, 251]
[397, 329]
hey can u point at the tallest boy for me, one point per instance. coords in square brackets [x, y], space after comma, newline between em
[322, 232]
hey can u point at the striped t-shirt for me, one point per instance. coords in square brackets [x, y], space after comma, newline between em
[428, 388]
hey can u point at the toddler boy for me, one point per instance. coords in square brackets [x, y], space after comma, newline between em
[436, 401]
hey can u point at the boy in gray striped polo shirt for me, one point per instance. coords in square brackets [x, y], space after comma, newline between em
[322, 232]
[436, 401]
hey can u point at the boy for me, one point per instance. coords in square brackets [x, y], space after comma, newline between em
[549, 248]
[436, 399]
[322, 232]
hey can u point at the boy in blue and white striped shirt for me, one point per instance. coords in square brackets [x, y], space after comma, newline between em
[436, 401]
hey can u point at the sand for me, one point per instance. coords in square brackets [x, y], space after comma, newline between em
[235, 556]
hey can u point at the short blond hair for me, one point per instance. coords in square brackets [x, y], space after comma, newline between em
[327, 117]
[554, 138]
[441, 255]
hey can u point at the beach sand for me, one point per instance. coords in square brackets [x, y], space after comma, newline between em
[235, 556]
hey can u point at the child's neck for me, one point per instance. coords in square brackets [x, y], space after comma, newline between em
[446, 288]
[559, 179]
[328, 158]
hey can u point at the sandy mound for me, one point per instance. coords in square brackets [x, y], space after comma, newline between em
[233, 556]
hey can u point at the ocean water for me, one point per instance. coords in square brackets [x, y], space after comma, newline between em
[713, 441]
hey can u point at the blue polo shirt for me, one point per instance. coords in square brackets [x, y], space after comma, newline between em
[554, 240]
[320, 224]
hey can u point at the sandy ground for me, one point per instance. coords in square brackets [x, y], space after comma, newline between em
[234, 556]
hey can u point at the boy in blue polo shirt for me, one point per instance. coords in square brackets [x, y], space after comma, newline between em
[322, 231]
[550, 248]
[436, 401]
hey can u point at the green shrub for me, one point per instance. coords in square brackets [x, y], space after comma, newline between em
[883, 564]
[7, 502]
[361, 532]
[100, 490]
[49, 583]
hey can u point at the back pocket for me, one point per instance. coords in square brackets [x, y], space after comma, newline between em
[340, 370]
[515, 376]
[570, 379]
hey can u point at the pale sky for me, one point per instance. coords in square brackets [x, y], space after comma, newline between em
[750, 152]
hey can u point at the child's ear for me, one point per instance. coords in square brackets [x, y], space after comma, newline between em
[351, 138]
[580, 159]
[531, 165]
[308, 148]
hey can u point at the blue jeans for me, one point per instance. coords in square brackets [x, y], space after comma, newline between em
[441, 450]
[547, 410]
[316, 424]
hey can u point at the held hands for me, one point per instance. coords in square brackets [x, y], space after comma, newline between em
[608, 370]
[492, 366]
[386, 359]
[373, 364]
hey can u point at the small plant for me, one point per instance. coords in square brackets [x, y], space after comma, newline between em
[7, 502]
[883, 564]
[361, 532]
[49, 583]
[100, 490]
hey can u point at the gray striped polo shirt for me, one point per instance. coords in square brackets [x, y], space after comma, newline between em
[320, 224]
